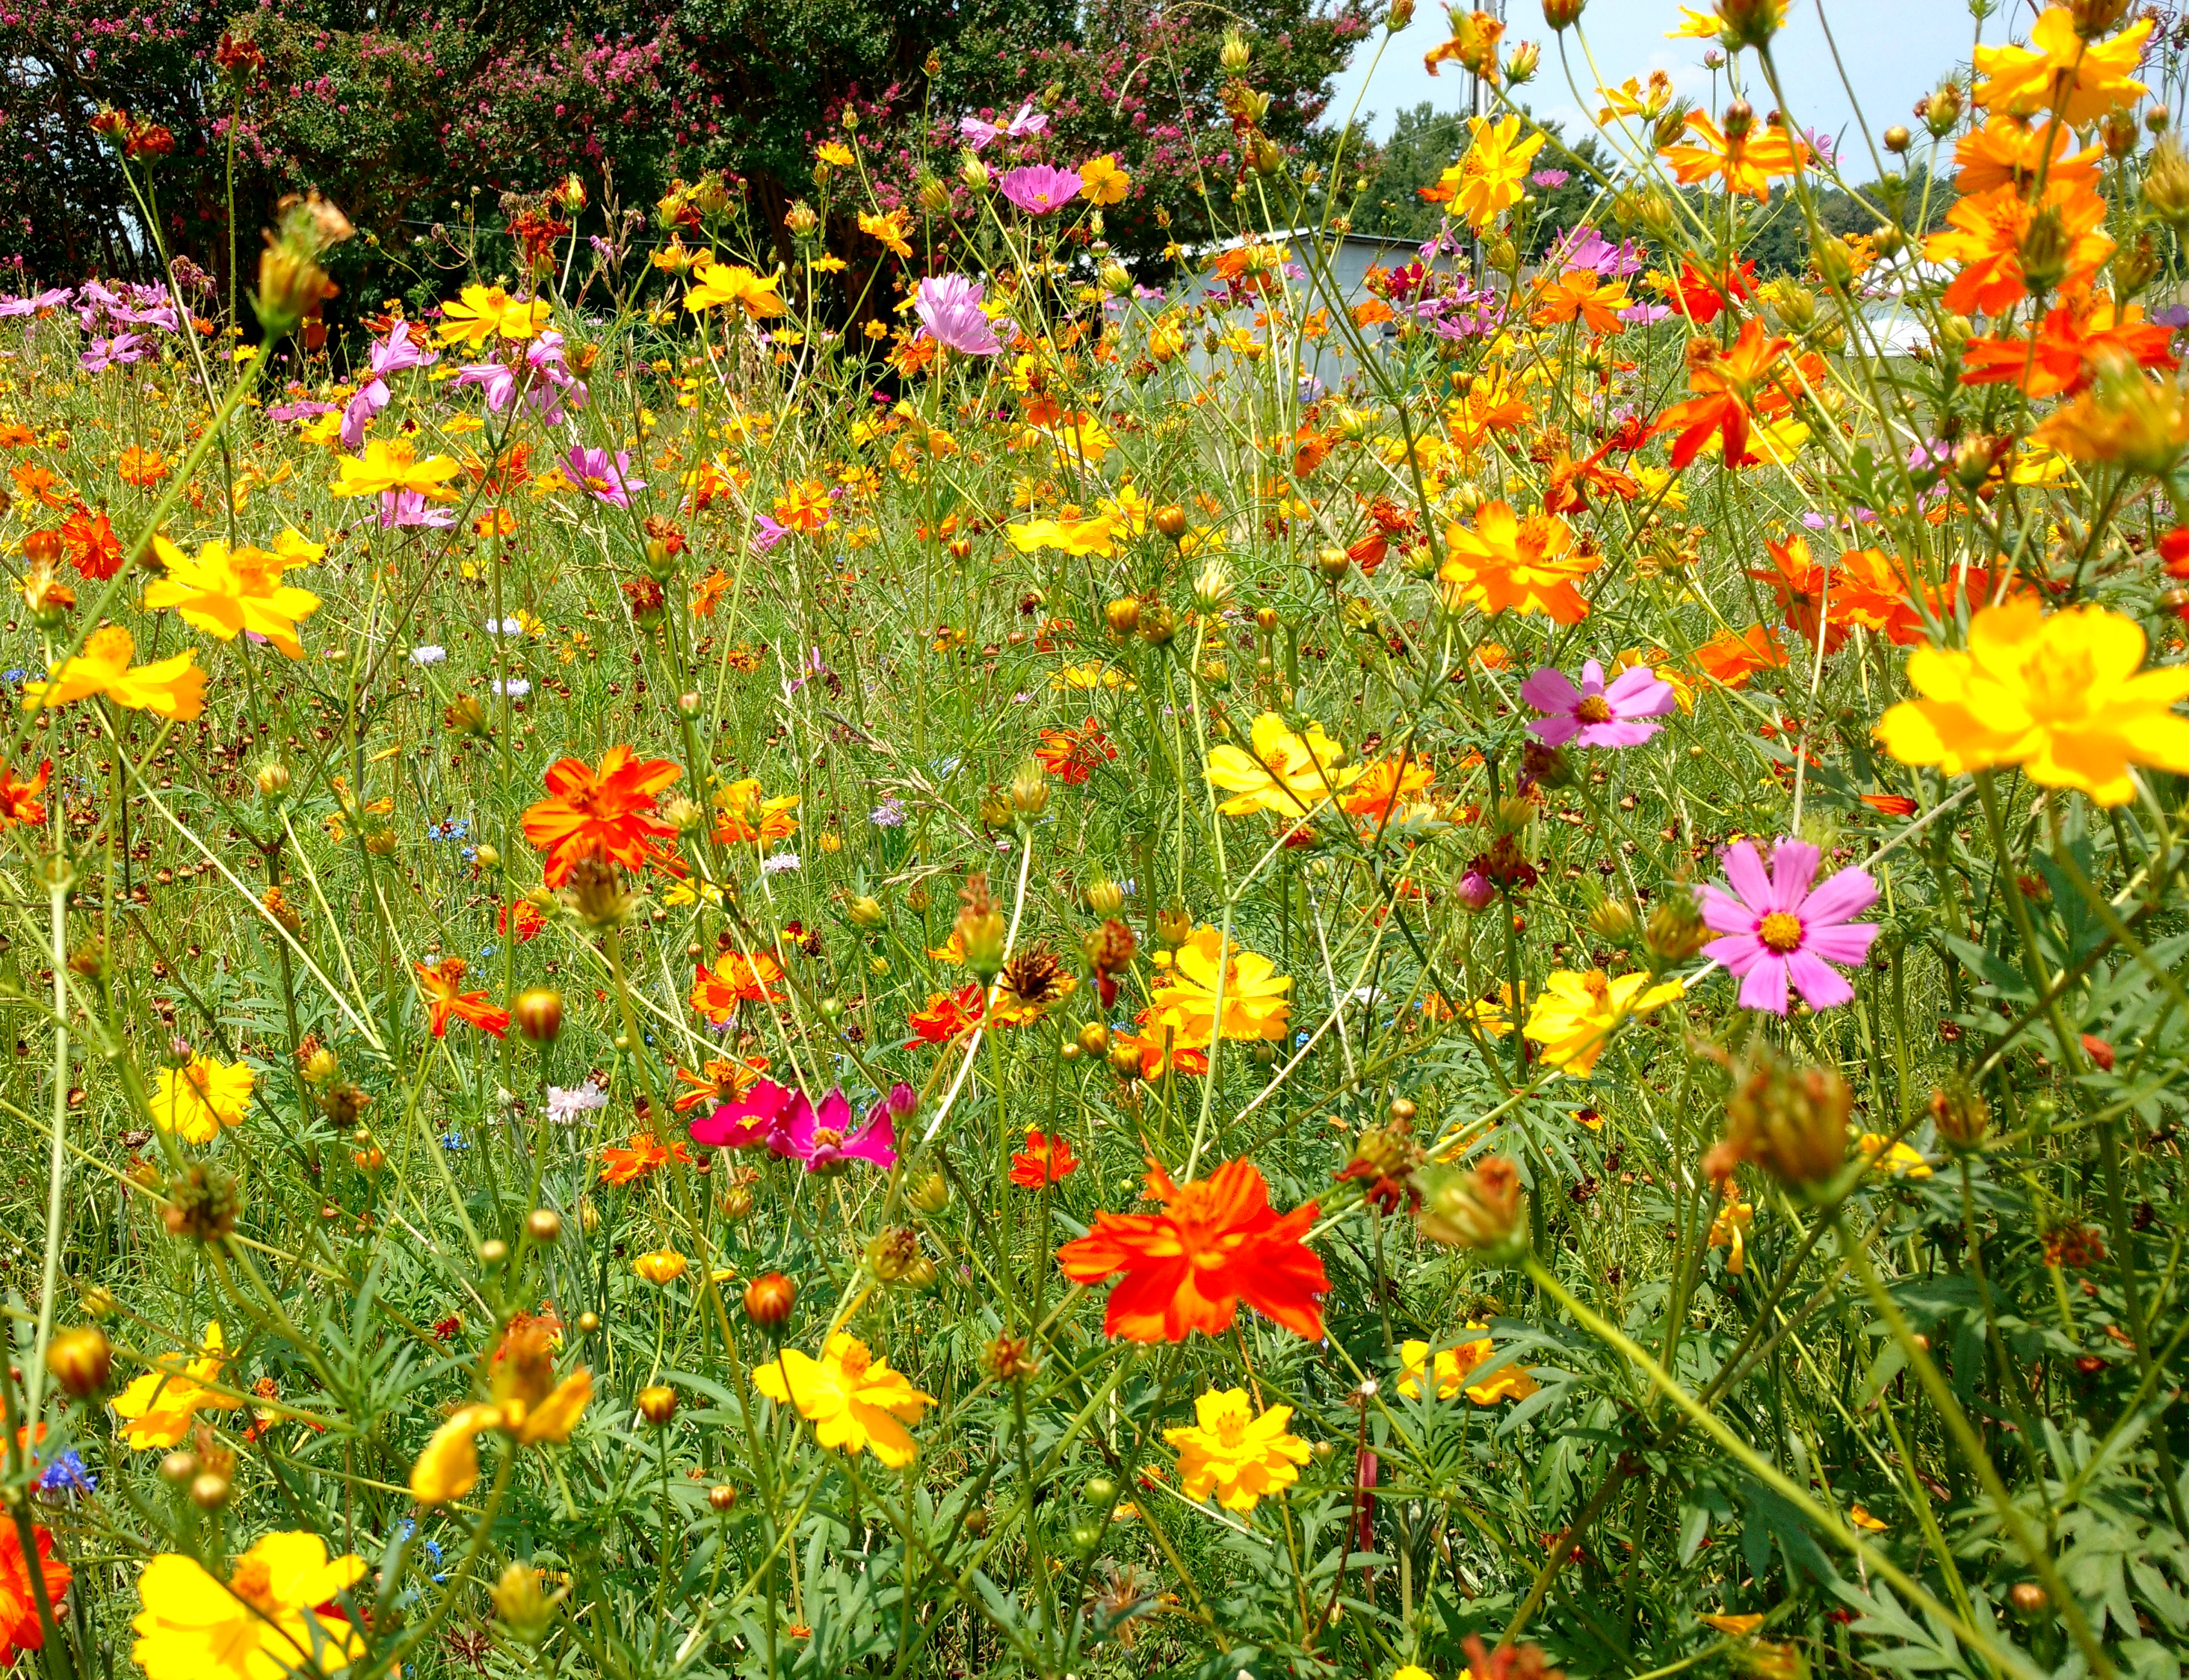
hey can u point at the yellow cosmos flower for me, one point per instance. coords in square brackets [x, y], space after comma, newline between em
[1095, 536]
[226, 590]
[2061, 695]
[390, 466]
[1575, 1015]
[526, 1403]
[1255, 994]
[1284, 773]
[171, 688]
[158, 1406]
[263, 1623]
[1103, 181]
[1488, 177]
[834, 154]
[484, 312]
[2080, 81]
[1451, 1370]
[1236, 1455]
[198, 1100]
[889, 231]
[1092, 674]
[1731, 1223]
[1898, 1160]
[660, 1266]
[722, 282]
[854, 1400]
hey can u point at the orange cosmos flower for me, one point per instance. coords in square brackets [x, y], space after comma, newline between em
[1581, 294]
[141, 467]
[2008, 152]
[20, 1629]
[1386, 790]
[1744, 159]
[1070, 754]
[736, 979]
[1569, 481]
[642, 1157]
[18, 800]
[1875, 593]
[2080, 81]
[2071, 345]
[1045, 1161]
[1987, 235]
[1799, 583]
[1726, 385]
[1217, 1244]
[529, 920]
[947, 1015]
[1889, 805]
[600, 812]
[1150, 1044]
[1729, 659]
[91, 545]
[707, 591]
[804, 507]
[1529, 565]
[442, 985]
[39, 484]
[719, 1081]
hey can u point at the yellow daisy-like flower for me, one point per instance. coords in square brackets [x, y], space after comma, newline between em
[525, 1402]
[171, 688]
[1234, 1453]
[660, 1267]
[2080, 81]
[728, 283]
[391, 467]
[854, 1401]
[2062, 696]
[158, 1406]
[1103, 181]
[1097, 536]
[1898, 1160]
[263, 1623]
[1451, 1370]
[1281, 772]
[1255, 993]
[1488, 177]
[198, 1099]
[225, 591]
[1575, 1015]
[484, 312]
[1731, 1223]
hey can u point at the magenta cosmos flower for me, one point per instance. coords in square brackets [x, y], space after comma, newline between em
[608, 481]
[792, 1127]
[950, 306]
[1038, 189]
[1783, 932]
[1599, 713]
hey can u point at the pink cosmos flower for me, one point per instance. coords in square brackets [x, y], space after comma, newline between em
[1785, 932]
[1028, 121]
[1599, 713]
[394, 354]
[950, 306]
[118, 351]
[409, 508]
[548, 385]
[608, 481]
[1038, 189]
[792, 1127]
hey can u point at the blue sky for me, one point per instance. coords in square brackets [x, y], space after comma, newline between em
[1892, 51]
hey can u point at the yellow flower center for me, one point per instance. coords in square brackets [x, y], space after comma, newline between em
[855, 1360]
[827, 1137]
[1231, 1428]
[596, 483]
[1780, 932]
[254, 1583]
[1593, 710]
[2058, 683]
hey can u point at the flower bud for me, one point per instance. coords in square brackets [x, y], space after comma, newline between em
[801, 219]
[1791, 1121]
[1008, 1360]
[291, 281]
[1897, 140]
[1115, 279]
[179, 1467]
[1030, 791]
[1563, 14]
[1675, 929]
[210, 1490]
[865, 913]
[1123, 615]
[974, 173]
[1749, 23]
[1612, 919]
[1105, 897]
[1941, 110]
[930, 1194]
[1475, 890]
[980, 926]
[657, 1402]
[1233, 55]
[1522, 64]
[539, 1013]
[273, 781]
[1961, 1115]
[1158, 624]
[1094, 1039]
[81, 1360]
[525, 1611]
[1174, 928]
[895, 1256]
[933, 196]
[544, 1224]
[1479, 1208]
[1171, 521]
[2044, 253]
[769, 1300]
[1214, 588]
[2166, 185]
[1333, 564]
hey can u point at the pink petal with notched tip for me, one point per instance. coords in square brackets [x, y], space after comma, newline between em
[1725, 914]
[1816, 983]
[1549, 690]
[1847, 942]
[1840, 897]
[1738, 953]
[1637, 692]
[1796, 866]
[1766, 986]
[1746, 874]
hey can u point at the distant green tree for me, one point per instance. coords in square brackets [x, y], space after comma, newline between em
[1426, 140]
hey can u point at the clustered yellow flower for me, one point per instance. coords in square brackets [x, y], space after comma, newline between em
[1575, 1016]
[855, 1401]
[1235, 1454]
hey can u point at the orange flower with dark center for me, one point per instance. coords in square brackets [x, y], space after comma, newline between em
[719, 1081]
[736, 979]
[642, 1157]
[1045, 1161]
[1070, 754]
[1218, 1243]
[18, 800]
[442, 984]
[1987, 237]
[601, 812]
[1727, 384]
[2069, 348]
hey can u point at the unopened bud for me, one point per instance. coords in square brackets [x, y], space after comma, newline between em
[81, 1360]
[865, 912]
[657, 1402]
[1479, 1208]
[524, 1610]
[539, 1013]
[1233, 55]
[769, 1299]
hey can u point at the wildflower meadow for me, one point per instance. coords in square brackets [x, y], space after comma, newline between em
[974, 920]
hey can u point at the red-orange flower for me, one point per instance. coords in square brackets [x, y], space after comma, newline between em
[1986, 235]
[2007, 151]
[443, 983]
[90, 544]
[1702, 296]
[1070, 754]
[1889, 805]
[736, 979]
[1044, 1161]
[529, 919]
[1217, 1244]
[20, 1627]
[1799, 582]
[642, 1157]
[719, 1081]
[2067, 349]
[1582, 294]
[1728, 386]
[18, 800]
[1729, 659]
[600, 812]
[946, 1014]
[141, 467]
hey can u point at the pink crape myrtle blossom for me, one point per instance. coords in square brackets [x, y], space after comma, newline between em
[608, 482]
[1598, 713]
[395, 354]
[950, 306]
[1784, 932]
[1038, 189]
